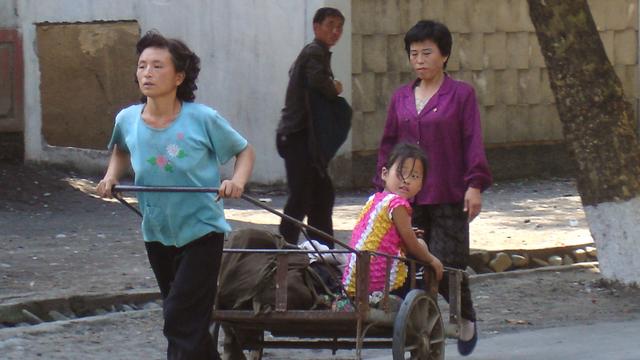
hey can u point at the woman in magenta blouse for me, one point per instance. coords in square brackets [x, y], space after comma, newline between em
[441, 115]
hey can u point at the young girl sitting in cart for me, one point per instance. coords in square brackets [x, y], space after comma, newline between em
[384, 224]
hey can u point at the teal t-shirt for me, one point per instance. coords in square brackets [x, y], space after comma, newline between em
[186, 153]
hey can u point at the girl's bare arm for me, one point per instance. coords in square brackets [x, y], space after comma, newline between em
[415, 247]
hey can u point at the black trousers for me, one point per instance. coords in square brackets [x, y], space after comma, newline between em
[187, 277]
[447, 234]
[311, 192]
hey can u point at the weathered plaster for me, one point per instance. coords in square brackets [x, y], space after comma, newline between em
[8, 9]
[86, 77]
[246, 48]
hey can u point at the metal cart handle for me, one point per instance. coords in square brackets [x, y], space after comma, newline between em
[117, 189]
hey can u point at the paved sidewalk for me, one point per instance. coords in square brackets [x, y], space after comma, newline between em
[138, 336]
[603, 341]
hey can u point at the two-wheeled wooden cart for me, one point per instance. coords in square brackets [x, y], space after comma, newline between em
[414, 331]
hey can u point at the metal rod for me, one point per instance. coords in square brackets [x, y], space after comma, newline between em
[412, 274]
[455, 300]
[285, 251]
[325, 344]
[295, 221]
[256, 202]
[387, 285]
[134, 188]
[282, 269]
[125, 203]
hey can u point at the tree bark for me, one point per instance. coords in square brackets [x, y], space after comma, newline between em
[598, 128]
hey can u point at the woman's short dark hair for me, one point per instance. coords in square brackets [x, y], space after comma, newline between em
[184, 60]
[430, 30]
[326, 12]
[404, 151]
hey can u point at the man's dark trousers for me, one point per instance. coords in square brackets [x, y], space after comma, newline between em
[311, 192]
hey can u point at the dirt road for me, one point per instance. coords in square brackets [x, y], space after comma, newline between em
[59, 241]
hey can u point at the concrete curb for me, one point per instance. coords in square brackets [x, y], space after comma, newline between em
[479, 278]
[36, 311]
[81, 305]
[56, 325]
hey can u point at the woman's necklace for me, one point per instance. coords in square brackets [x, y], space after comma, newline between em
[421, 103]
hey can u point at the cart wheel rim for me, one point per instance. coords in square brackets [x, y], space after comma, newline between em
[418, 329]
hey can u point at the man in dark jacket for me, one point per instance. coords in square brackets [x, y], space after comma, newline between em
[311, 192]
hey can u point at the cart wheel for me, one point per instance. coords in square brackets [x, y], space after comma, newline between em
[418, 329]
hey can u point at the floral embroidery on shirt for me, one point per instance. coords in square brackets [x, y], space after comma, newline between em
[162, 162]
[174, 151]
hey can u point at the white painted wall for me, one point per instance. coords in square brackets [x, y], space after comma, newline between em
[7, 13]
[637, 76]
[615, 230]
[246, 48]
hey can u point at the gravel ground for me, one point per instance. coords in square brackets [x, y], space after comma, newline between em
[59, 240]
[518, 302]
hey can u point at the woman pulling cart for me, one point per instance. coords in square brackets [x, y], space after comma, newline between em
[171, 141]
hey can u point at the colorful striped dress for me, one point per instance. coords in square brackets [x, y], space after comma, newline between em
[375, 231]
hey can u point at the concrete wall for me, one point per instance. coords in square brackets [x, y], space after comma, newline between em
[8, 16]
[246, 48]
[496, 50]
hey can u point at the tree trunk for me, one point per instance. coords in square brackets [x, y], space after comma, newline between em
[598, 128]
